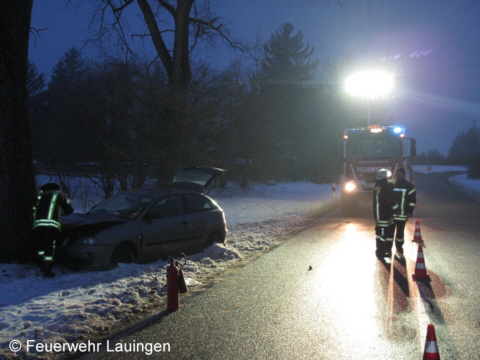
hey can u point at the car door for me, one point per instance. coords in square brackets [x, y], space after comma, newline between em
[197, 206]
[204, 218]
[164, 229]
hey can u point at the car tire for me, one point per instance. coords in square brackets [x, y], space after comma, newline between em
[213, 237]
[122, 254]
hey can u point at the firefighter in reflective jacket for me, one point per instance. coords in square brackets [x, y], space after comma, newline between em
[406, 199]
[48, 211]
[384, 205]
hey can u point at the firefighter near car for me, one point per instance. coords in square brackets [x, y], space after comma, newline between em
[366, 150]
[47, 215]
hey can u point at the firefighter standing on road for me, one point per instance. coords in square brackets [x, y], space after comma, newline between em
[406, 199]
[384, 205]
[50, 207]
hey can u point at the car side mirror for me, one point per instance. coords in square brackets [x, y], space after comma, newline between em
[413, 147]
[410, 147]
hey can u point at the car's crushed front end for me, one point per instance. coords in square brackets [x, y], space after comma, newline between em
[81, 247]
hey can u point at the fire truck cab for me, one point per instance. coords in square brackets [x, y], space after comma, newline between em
[367, 150]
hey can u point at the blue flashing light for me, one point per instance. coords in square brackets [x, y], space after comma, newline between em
[397, 130]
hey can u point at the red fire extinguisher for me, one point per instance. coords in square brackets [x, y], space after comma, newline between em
[173, 297]
[176, 283]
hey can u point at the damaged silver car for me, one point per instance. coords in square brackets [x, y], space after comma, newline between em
[147, 224]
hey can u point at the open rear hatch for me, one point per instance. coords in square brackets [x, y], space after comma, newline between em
[196, 178]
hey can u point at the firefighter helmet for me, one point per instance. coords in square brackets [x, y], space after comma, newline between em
[383, 174]
[50, 186]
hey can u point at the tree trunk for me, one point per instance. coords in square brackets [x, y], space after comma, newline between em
[17, 175]
[181, 53]
[177, 65]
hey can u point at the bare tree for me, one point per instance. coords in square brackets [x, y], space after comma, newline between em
[175, 28]
[17, 176]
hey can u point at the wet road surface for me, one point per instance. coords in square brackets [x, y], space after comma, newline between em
[324, 295]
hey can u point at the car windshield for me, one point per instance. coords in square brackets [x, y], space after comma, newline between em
[374, 149]
[125, 206]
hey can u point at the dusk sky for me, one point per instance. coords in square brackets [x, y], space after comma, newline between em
[431, 46]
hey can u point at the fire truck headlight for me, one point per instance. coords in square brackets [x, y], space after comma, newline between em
[350, 186]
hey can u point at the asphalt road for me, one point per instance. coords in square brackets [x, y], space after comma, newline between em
[324, 295]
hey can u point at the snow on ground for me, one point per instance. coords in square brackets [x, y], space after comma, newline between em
[77, 306]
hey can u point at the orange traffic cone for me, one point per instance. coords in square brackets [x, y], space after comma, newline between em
[431, 348]
[420, 268]
[418, 235]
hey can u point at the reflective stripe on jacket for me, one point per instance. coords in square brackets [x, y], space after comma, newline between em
[384, 203]
[49, 209]
[406, 198]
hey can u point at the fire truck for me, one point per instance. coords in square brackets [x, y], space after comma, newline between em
[367, 150]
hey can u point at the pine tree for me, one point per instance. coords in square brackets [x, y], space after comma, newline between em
[286, 70]
[35, 82]
[287, 60]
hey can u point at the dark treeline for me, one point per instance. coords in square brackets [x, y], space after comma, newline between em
[465, 151]
[117, 121]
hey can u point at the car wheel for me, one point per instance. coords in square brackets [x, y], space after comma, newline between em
[213, 237]
[122, 254]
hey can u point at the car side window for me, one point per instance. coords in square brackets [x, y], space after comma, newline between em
[165, 207]
[197, 203]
